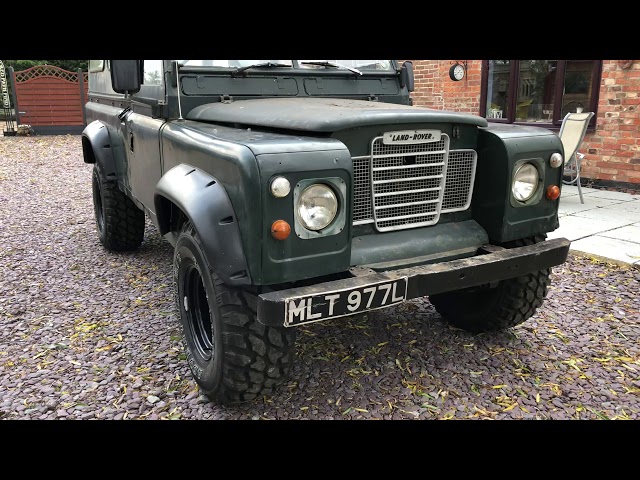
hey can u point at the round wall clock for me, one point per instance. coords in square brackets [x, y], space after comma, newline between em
[456, 72]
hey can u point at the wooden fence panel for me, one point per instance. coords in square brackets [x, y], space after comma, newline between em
[50, 99]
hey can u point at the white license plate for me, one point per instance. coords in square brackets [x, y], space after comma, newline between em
[405, 137]
[340, 303]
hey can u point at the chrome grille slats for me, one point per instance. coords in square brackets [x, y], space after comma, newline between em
[407, 168]
[407, 186]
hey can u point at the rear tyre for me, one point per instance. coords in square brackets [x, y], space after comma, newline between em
[120, 223]
[494, 308]
[233, 357]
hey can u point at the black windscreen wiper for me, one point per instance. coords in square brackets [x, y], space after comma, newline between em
[331, 64]
[260, 65]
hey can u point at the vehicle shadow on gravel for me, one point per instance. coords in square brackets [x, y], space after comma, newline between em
[394, 363]
[566, 362]
[405, 362]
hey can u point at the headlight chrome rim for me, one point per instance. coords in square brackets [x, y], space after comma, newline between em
[302, 211]
[523, 188]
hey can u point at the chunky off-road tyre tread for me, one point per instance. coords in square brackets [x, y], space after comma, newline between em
[511, 303]
[256, 359]
[124, 222]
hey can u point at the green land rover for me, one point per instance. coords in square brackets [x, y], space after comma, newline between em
[297, 191]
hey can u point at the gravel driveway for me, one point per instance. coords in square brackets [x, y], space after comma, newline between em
[87, 334]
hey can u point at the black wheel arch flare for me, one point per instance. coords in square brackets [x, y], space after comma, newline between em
[206, 203]
[97, 148]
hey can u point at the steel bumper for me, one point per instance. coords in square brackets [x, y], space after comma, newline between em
[497, 264]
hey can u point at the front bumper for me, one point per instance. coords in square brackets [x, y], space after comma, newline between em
[302, 305]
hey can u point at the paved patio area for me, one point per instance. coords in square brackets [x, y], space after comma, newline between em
[607, 225]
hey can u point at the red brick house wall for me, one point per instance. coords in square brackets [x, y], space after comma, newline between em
[612, 151]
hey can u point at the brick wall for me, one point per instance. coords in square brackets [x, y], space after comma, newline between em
[434, 88]
[612, 150]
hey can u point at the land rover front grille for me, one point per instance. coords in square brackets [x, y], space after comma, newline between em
[408, 186]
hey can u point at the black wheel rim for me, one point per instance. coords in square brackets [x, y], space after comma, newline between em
[97, 204]
[198, 314]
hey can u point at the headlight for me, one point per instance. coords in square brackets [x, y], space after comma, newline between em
[525, 182]
[317, 207]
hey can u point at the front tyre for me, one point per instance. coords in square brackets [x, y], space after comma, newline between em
[232, 356]
[120, 223]
[494, 308]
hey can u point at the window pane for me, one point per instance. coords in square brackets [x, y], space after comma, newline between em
[498, 89]
[153, 72]
[577, 86]
[535, 90]
[358, 64]
[96, 65]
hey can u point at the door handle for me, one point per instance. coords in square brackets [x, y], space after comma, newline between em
[123, 114]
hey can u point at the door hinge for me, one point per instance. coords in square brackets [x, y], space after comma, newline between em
[226, 98]
[372, 98]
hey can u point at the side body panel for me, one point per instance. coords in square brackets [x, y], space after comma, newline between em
[141, 136]
[234, 168]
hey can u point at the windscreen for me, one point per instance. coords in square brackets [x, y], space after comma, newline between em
[362, 65]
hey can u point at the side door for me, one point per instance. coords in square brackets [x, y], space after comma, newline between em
[140, 126]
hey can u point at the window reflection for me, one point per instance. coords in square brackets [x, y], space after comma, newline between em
[536, 81]
[539, 91]
[498, 89]
[152, 72]
[577, 86]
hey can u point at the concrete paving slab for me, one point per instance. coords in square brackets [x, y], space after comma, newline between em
[572, 204]
[630, 233]
[611, 249]
[626, 206]
[606, 226]
[575, 228]
[618, 212]
[566, 189]
[611, 195]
